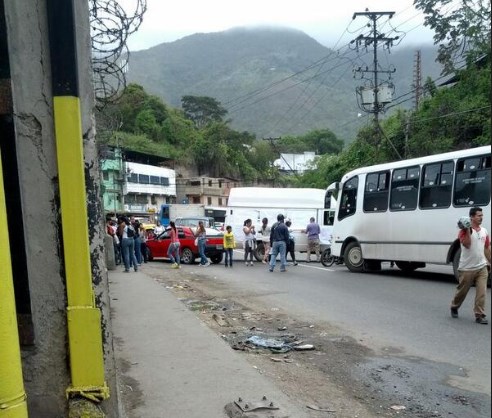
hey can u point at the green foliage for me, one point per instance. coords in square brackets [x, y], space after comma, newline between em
[456, 117]
[140, 143]
[145, 123]
[320, 141]
[202, 110]
[461, 29]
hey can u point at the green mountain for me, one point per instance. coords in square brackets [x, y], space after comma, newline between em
[275, 82]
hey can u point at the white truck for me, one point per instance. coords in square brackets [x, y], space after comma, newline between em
[298, 205]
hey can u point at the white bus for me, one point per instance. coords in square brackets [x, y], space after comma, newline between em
[407, 211]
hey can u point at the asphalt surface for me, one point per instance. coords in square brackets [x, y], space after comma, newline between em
[421, 354]
[408, 313]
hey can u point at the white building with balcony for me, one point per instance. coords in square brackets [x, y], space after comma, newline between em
[147, 187]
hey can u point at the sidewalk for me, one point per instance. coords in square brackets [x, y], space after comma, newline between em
[170, 365]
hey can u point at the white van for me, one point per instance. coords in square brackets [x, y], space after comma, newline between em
[296, 204]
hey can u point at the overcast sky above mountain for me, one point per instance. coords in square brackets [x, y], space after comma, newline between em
[330, 23]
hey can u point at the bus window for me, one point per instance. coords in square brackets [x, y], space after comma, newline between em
[471, 186]
[376, 192]
[404, 188]
[348, 199]
[436, 185]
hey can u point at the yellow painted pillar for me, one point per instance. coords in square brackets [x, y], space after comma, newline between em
[12, 395]
[84, 319]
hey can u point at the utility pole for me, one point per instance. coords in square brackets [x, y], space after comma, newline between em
[417, 79]
[373, 98]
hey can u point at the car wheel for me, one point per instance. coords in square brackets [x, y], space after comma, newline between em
[353, 257]
[259, 251]
[216, 259]
[187, 256]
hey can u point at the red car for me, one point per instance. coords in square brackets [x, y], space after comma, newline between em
[157, 246]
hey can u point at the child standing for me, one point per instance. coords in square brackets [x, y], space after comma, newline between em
[229, 245]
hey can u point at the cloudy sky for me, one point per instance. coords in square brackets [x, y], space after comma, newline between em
[328, 22]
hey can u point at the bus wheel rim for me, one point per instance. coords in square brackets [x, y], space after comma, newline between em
[355, 257]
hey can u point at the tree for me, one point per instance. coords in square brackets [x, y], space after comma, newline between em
[202, 110]
[459, 31]
[323, 141]
[145, 123]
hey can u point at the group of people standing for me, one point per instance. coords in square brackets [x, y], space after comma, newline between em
[129, 242]
[277, 240]
[129, 238]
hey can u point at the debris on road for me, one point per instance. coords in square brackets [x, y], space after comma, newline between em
[318, 408]
[398, 407]
[221, 320]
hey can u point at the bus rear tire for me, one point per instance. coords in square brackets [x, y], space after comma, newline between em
[353, 258]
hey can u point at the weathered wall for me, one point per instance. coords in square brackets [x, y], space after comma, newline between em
[45, 365]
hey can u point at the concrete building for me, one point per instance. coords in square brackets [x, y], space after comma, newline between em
[210, 191]
[53, 214]
[132, 186]
[146, 187]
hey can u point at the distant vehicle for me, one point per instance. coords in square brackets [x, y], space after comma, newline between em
[407, 211]
[220, 226]
[216, 212]
[193, 221]
[170, 211]
[296, 204]
[157, 246]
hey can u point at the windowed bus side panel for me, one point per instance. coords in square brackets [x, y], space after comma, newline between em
[409, 212]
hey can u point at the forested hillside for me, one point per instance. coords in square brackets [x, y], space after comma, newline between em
[272, 82]
[224, 100]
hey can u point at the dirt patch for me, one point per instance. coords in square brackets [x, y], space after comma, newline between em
[337, 376]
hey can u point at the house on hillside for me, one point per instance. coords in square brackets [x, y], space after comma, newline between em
[210, 191]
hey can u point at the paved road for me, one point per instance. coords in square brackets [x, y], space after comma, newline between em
[391, 311]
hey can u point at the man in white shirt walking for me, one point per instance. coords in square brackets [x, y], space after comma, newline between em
[474, 264]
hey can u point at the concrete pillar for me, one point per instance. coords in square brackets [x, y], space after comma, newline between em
[45, 365]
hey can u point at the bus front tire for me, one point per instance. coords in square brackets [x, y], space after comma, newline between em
[353, 258]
